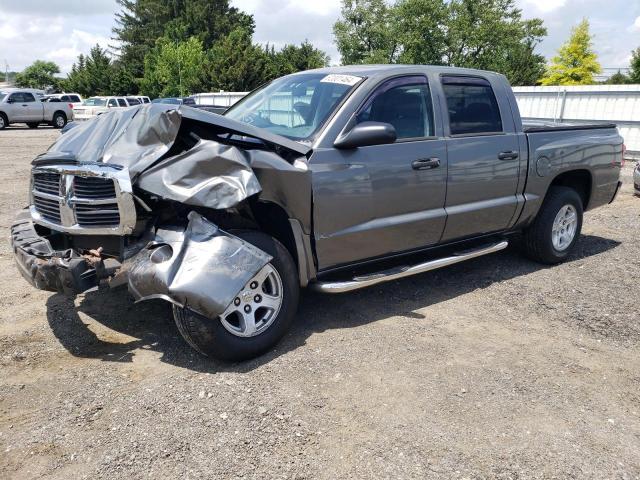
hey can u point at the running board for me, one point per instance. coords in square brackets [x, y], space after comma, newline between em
[405, 271]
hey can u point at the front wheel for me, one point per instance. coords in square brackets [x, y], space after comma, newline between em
[4, 123]
[557, 227]
[257, 318]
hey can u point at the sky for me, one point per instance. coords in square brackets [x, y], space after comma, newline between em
[59, 30]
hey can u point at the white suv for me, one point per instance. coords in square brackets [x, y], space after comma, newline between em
[95, 106]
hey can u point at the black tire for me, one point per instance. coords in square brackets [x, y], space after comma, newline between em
[59, 120]
[33, 124]
[4, 122]
[537, 242]
[212, 339]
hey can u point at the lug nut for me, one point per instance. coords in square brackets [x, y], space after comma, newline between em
[254, 285]
[247, 309]
[236, 302]
[257, 299]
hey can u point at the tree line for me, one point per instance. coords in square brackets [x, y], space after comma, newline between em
[179, 47]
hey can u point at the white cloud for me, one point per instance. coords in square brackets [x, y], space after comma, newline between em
[544, 5]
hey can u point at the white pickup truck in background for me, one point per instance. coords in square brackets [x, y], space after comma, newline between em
[25, 106]
[75, 99]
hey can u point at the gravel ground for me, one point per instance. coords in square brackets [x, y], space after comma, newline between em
[496, 368]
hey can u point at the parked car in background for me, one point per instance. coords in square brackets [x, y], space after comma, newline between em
[95, 106]
[175, 101]
[72, 98]
[211, 108]
[25, 106]
[337, 179]
[143, 99]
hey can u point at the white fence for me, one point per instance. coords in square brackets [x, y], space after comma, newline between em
[619, 104]
[221, 99]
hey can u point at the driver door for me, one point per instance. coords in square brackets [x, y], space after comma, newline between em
[384, 199]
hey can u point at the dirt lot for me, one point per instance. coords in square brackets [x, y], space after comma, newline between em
[497, 368]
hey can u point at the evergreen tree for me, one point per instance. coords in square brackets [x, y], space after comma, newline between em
[576, 62]
[237, 65]
[634, 75]
[140, 23]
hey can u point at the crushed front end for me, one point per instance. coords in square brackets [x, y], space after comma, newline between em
[146, 197]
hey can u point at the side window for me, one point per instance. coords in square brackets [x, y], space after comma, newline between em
[472, 105]
[75, 98]
[112, 103]
[403, 102]
[65, 98]
[28, 97]
[16, 97]
[121, 102]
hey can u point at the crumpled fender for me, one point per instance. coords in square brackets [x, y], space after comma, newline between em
[201, 267]
[209, 174]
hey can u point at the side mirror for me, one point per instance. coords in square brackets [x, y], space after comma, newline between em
[10, 100]
[365, 134]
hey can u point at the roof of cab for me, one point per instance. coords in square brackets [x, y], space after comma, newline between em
[386, 70]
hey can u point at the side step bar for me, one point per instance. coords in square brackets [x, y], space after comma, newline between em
[405, 271]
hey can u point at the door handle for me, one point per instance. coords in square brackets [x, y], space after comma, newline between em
[511, 155]
[426, 163]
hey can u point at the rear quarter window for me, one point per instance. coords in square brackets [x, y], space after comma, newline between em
[122, 102]
[472, 106]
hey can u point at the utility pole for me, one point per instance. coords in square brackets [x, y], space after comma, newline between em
[179, 68]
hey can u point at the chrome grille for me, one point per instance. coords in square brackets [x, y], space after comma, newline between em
[97, 215]
[94, 187]
[87, 199]
[47, 183]
[49, 209]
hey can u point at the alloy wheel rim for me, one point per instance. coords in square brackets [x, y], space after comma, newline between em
[256, 306]
[59, 121]
[564, 228]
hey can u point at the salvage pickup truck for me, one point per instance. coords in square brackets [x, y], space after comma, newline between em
[24, 106]
[334, 179]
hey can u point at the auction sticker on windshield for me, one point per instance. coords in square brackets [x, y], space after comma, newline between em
[350, 80]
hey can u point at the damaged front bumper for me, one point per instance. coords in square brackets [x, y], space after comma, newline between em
[200, 267]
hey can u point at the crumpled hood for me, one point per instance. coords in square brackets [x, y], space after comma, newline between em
[181, 154]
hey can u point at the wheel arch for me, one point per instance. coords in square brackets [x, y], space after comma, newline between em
[274, 220]
[580, 180]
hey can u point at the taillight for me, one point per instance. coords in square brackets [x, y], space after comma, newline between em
[71, 106]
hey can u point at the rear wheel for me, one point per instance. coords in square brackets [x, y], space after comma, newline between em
[257, 318]
[59, 120]
[32, 124]
[4, 123]
[555, 231]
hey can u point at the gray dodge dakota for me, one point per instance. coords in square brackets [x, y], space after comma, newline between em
[333, 179]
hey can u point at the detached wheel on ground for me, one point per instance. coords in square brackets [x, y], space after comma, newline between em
[33, 124]
[257, 318]
[59, 120]
[3, 121]
[555, 231]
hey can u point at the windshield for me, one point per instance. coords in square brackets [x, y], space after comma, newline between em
[95, 102]
[295, 106]
[2, 95]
